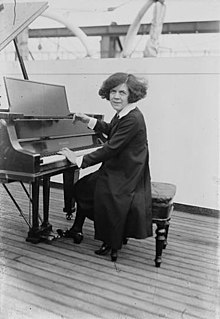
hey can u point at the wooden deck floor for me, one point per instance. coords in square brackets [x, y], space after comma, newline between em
[64, 280]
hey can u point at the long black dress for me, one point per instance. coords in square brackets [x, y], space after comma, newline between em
[118, 196]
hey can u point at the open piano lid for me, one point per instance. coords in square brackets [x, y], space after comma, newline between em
[15, 17]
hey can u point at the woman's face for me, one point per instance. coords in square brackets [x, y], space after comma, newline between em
[119, 97]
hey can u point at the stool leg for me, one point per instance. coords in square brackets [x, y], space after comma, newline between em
[167, 224]
[160, 240]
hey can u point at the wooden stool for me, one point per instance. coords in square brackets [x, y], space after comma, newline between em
[162, 207]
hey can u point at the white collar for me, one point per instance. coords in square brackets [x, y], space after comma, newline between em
[128, 108]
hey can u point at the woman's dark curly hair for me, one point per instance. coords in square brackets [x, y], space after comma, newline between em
[137, 87]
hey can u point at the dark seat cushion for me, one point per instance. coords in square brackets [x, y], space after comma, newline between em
[162, 192]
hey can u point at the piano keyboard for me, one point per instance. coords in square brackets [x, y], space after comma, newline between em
[58, 157]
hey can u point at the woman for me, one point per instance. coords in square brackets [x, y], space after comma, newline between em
[118, 195]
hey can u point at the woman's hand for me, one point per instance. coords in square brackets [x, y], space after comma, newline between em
[70, 155]
[81, 117]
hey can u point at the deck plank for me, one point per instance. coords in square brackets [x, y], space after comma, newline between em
[64, 280]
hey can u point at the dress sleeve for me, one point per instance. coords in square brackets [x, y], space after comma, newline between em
[102, 127]
[127, 128]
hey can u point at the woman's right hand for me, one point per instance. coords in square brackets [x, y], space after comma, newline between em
[81, 117]
[70, 155]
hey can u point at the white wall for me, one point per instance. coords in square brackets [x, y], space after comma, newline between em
[181, 111]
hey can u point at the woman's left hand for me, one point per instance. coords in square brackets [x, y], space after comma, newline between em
[70, 155]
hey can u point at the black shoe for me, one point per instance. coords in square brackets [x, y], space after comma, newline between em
[77, 238]
[70, 233]
[114, 255]
[103, 250]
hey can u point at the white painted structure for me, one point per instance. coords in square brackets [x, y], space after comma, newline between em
[181, 111]
[72, 27]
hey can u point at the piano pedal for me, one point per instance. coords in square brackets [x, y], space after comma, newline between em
[69, 216]
[69, 212]
[61, 233]
[48, 238]
[51, 238]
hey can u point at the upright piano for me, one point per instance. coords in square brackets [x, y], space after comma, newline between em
[36, 124]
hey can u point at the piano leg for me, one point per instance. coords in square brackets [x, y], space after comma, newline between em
[46, 227]
[46, 199]
[37, 234]
[70, 176]
[33, 234]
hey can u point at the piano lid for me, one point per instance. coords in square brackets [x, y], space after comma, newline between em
[15, 17]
